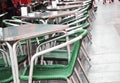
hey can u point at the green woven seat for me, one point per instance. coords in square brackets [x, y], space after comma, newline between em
[57, 55]
[5, 75]
[20, 58]
[53, 72]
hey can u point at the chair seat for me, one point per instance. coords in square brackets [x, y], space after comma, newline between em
[20, 58]
[57, 55]
[47, 72]
[1, 62]
[33, 40]
[54, 71]
[5, 75]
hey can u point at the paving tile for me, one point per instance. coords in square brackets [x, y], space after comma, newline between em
[105, 50]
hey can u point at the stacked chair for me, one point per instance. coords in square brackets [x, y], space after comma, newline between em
[37, 71]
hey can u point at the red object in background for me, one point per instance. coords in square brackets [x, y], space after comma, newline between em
[15, 1]
[22, 1]
[25, 1]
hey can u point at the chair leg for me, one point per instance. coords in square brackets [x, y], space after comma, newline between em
[69, 81]
[80, 80]
[33, 82]
[85, 52]
[39, 81]
[89, 39]
[85, 55]
[72, 78]
[83, 70]
[89, 34]
[91, 24]
[24, 63]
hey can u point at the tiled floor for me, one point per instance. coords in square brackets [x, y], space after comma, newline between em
[105, 50]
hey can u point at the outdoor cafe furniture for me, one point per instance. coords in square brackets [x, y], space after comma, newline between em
[54, 71]
[12, 35]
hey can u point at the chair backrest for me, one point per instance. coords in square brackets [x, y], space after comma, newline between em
[10, 22]
[62, 35]
[75, 52]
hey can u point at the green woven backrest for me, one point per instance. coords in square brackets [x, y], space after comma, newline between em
[75, 51]
[74, 55]
[83, 32]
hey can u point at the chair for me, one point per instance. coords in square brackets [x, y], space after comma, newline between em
[5, 69]
[62, 54]
[54, 71]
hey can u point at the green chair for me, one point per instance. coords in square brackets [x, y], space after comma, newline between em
[5, 69]
[62, 55]
[54, 71]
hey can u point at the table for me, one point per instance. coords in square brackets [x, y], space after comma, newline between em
[12, 35]
[45, 16]
[70, 3]
[61, 8]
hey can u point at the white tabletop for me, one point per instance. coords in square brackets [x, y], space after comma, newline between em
[27, 31]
